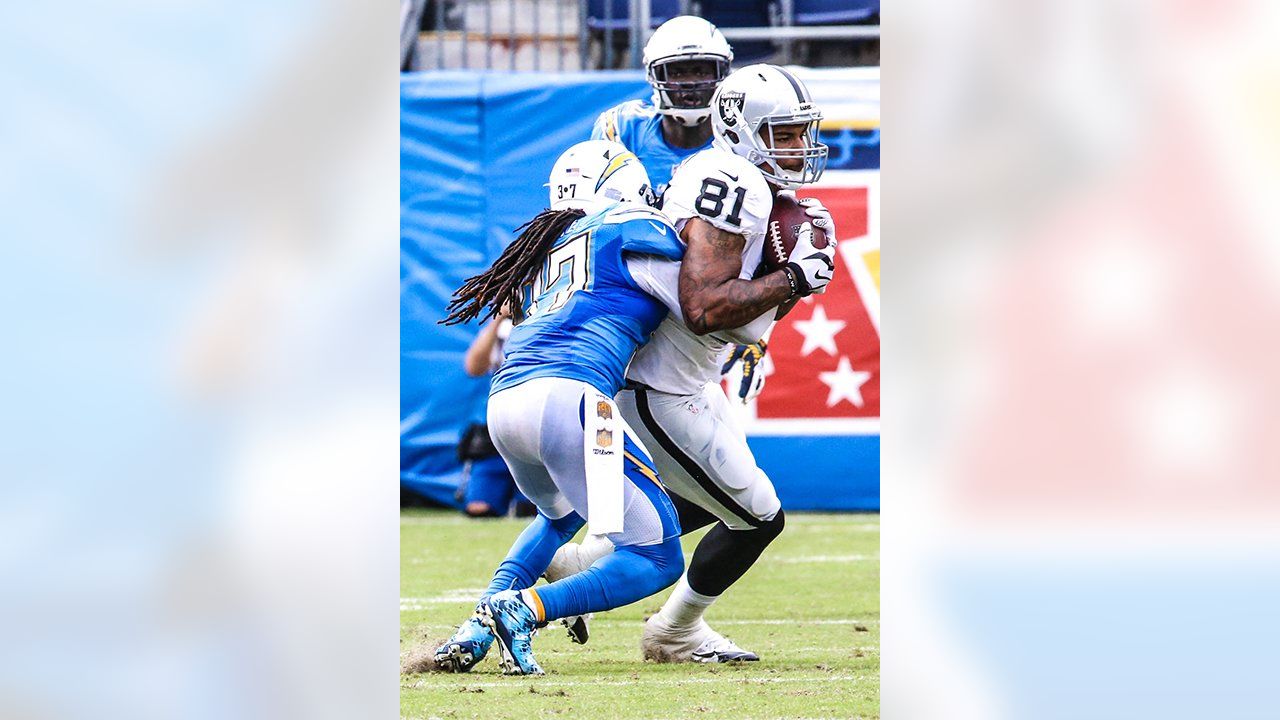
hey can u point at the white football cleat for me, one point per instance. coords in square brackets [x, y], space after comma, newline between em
[660, 643]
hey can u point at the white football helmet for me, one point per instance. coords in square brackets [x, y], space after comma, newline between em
[683, 39]
[759, 98]
[597, 172]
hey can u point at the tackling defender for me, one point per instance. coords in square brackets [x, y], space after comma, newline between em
[765, 142]
[581, 314]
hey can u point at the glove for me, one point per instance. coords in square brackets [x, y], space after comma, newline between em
[821, 216]
[811, 268]
[752, 374]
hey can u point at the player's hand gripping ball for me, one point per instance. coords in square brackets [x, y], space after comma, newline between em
[784, 228]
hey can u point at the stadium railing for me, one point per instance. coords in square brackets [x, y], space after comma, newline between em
[561, 35]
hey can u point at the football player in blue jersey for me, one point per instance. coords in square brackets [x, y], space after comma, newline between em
[590, 280]
[685, 61]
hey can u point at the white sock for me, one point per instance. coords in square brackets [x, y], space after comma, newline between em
[685, 607]
[573, 558]
[593, 548]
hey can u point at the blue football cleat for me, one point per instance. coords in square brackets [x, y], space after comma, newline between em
[514, 625]
[468, 646]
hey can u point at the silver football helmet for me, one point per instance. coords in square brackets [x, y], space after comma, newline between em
[750, 104]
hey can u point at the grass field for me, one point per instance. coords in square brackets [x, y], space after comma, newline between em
[810, 608]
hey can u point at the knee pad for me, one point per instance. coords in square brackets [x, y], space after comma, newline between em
[759, 537]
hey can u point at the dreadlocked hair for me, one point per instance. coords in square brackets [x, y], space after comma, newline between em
[513, 269]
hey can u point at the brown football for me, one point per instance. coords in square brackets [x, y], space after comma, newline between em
[784, 225]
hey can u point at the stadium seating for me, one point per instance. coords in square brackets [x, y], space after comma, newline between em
[619, 13]
[833, 12]
[736, 13]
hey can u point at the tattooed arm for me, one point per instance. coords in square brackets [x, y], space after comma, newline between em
[712, 296]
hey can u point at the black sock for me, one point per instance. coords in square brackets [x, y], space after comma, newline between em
[724, 555]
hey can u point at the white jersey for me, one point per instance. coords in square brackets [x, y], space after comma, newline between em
[729, 192]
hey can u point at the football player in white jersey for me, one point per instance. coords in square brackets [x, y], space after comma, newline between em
[765, 128]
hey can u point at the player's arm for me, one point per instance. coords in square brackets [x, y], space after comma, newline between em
[477, 360]
[712, 296]
[656, 275]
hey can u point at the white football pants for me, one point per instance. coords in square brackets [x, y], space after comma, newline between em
[702, 454]
[537, 427]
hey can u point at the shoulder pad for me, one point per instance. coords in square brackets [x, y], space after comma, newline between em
[624, 211]
[612, 123]
[723, 189]
[635, 108]
[645, 230]
[606, 127]
[714, 159]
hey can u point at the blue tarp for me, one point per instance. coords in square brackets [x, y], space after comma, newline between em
[475, 152]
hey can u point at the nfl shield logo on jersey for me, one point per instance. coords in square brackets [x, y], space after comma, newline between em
[604, 438]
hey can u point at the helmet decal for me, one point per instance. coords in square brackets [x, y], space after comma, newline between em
[619, 161]
[730, 107]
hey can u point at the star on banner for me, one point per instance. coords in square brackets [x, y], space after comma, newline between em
[819, 332]
[845, 383]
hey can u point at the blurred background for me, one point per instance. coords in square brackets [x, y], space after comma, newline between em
[1081, 493]
[198, 507]
[477, 142]
[560, 35]
[202, 400]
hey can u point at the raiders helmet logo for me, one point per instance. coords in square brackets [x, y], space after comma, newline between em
[729, 102]
[604, 438]
[603, 411]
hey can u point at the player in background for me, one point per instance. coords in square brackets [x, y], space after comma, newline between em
[487, 488]
[765, 142]
[685, 61]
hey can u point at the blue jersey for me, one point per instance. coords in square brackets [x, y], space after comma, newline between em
[638, 126]
[584, 315]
